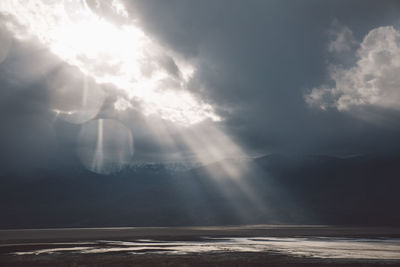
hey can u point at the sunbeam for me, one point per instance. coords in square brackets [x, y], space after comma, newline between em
[228, 165]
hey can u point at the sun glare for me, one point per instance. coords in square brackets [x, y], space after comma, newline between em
[111, 48]
[102, 45]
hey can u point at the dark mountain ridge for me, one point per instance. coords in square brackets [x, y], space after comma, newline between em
[291, 189]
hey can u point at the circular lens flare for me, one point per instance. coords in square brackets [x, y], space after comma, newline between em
[74, 97]
[105, 146]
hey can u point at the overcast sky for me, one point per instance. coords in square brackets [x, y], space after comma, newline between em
[312, 77]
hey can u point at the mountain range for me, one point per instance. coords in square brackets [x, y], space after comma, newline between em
[273, 189]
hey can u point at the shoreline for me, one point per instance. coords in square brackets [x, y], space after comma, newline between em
[188, 233]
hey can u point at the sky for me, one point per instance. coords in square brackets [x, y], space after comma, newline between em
[184, 112]
[112, 83]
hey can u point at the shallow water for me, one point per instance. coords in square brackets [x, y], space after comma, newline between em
[314, 247]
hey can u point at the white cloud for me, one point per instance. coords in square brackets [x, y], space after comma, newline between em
[374, 81]
[122, 104]
[88, 35]
[344, 39]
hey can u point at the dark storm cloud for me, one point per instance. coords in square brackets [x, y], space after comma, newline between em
[256, 60]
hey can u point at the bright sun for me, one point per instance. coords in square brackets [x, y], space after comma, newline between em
[104, 43]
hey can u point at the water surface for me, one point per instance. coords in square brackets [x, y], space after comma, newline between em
[314, 247]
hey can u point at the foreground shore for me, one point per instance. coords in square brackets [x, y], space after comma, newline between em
[261, 245]
[197, 260]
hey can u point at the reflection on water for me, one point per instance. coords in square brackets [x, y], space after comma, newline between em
[316, 247]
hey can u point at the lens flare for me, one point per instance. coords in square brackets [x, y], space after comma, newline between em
[105, 146]
[74, 97]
